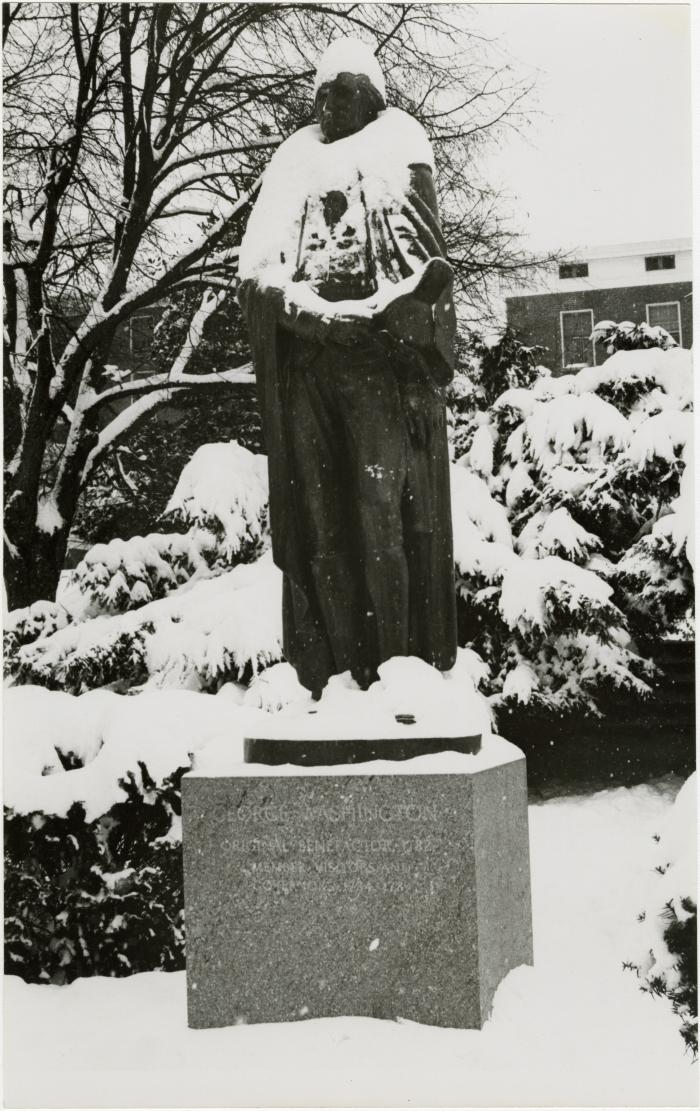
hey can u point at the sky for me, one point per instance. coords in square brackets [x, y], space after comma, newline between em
[607, 158]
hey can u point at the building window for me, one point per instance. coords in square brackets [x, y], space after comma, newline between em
[660, 262]
[573, 270]
[576, 343]
[666, 314]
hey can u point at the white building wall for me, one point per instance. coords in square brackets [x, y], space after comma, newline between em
[616, 266]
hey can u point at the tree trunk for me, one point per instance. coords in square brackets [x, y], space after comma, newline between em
[33, 566]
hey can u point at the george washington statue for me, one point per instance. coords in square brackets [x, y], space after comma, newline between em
[348, 300]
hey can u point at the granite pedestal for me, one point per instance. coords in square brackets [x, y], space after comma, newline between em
[382, 889]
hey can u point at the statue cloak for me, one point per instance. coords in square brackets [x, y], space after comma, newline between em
[279, 292]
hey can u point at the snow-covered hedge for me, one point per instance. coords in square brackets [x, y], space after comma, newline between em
[23, 626]
[667, 962]
[223, 490]
[572, 527]
[167, 609]
[93, 862]
[220, 498]
[100, 898]
[198, 637]
[572, 511]
[627, 336]
[125, 574]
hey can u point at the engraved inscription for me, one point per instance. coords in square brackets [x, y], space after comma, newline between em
[317, 848]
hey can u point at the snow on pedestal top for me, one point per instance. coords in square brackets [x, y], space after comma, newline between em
[444, 705]
[217, 760]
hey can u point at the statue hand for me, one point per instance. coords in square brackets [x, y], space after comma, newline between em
[350, 330]
[409, 359]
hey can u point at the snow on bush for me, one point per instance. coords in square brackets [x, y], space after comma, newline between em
[557, 534]
[567, 429]
[126, 574]
[165, 609]
[100, 898]
[34, 622]
[221, 498]
[485, 372]
[198, 637]
[93, 875]
[655, 581]
[667, 947]
[472, 502]
[223, 489]
[627, 336]
[586, 476]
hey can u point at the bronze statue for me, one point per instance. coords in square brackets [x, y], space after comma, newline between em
[348, 301]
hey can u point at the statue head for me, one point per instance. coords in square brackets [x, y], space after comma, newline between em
[349, 88]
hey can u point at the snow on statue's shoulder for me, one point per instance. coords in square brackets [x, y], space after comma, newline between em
[304, 166]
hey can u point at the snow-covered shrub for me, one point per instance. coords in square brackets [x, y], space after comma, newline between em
[171, 609]
[484, 371]
[93, 862]
[223, 491]
[580, 468]
[198, 637]
[507, 364]
[667, 963]
[627, 336]
[546, 627]
[220, 498]
[129, 490]
[655, 582]
[29, 624]
[100, 898]
[126, 574]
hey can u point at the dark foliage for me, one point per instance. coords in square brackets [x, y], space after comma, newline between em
[101, 898]
[508, 364]
[156, 456]
[681, 938]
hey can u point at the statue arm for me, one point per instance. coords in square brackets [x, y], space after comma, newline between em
[300, 322]
[304, 322]
[438, 352]
[423, 188]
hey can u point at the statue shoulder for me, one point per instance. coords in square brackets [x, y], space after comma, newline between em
[294, 146]
[408, 137]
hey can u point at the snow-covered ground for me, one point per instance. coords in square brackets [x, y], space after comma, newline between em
[575, 1030]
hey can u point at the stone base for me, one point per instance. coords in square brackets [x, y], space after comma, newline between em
[313, 753]
[387, 890]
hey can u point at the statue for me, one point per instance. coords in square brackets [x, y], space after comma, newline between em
[347, 296]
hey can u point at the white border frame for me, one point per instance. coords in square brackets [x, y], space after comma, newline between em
[574, 312]
[663, 304]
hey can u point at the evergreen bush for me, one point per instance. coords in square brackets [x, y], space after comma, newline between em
[667, 965]
[99, 898]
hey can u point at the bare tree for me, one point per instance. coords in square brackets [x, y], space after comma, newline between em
[131, 127]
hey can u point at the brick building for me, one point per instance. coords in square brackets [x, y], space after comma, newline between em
[649, 282]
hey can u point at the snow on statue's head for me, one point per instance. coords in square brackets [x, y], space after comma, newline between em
[349, 88]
